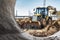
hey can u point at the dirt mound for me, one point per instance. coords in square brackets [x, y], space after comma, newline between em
[34, 28]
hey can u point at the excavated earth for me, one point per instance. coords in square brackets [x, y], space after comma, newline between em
[49, 30]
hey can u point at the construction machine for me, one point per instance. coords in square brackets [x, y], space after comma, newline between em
[43, 15]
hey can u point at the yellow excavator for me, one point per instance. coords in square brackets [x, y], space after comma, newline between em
[43, 15]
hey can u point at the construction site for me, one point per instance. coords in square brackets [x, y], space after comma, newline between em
[34, 20]
[45, 21]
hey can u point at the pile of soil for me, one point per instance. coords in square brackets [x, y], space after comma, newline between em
[50, 29]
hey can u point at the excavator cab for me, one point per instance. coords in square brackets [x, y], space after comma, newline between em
[40, 12]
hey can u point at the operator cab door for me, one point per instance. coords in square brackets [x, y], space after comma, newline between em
[44, 12]
[41, 11]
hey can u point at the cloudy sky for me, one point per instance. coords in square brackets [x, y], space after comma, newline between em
[23, 7]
